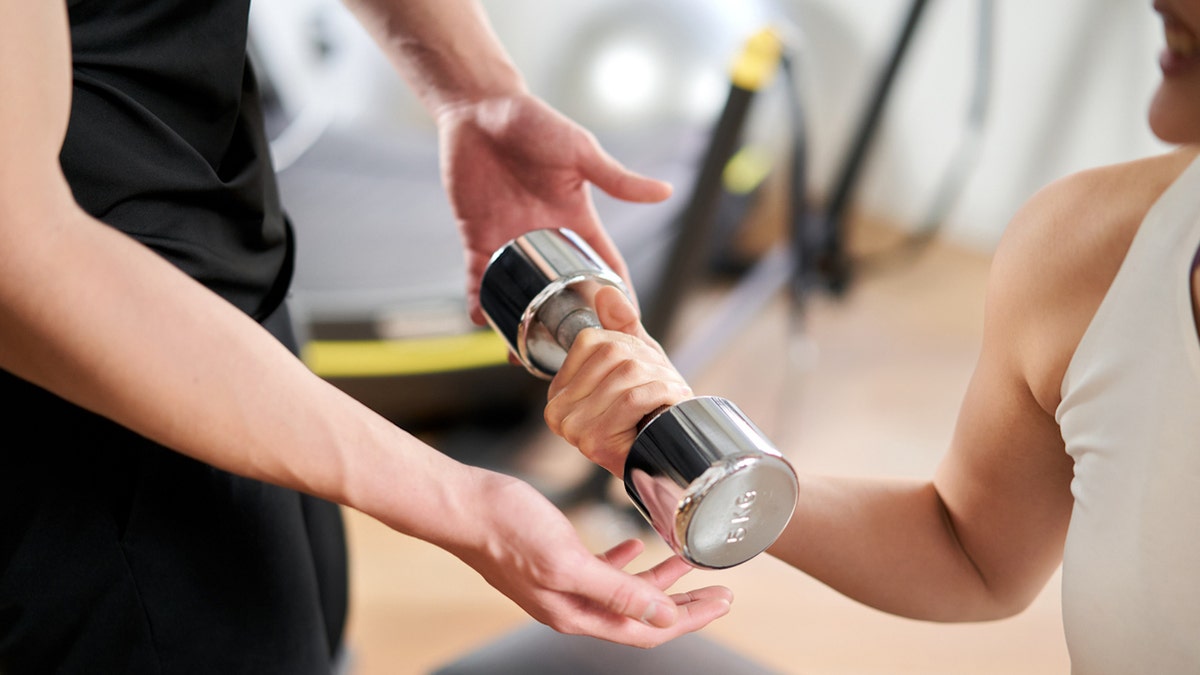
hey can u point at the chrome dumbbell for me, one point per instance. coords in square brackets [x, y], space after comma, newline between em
[704, 476]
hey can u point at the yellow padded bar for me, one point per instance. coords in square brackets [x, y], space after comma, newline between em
[420, 356]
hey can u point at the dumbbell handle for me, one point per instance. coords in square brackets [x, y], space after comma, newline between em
[566, 315]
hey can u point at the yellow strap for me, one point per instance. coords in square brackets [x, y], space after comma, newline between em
[380, 358]
[756, 65]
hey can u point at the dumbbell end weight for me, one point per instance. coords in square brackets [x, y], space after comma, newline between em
[708, 480]
[537, 293]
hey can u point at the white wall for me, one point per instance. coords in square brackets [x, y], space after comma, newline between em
[1071, 81]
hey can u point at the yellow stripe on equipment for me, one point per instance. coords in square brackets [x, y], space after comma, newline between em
[420, 356]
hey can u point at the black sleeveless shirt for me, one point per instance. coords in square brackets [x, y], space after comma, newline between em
[166, 141]
[118, 555]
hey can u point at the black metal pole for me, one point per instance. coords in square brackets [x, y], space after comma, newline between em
[695, 224]
[834, 263]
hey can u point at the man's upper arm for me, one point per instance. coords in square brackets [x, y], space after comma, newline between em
[35, 95]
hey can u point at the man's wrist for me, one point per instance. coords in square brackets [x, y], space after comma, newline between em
[446, 79]
[411, 487]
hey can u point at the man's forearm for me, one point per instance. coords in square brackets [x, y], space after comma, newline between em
[95, 317]
[445, 49]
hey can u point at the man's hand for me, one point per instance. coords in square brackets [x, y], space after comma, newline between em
[610, 381]
[513, 164]
[527, 549]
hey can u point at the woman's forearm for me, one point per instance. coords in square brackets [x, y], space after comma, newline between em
[887, 544]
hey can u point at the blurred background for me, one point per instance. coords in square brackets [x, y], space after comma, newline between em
[822, 263]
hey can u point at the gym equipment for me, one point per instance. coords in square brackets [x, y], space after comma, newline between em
[704, 476]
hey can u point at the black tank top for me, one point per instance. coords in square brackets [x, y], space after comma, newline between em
[166, 141]
[118, 555]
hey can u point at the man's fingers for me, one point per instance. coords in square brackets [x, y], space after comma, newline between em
[629, 596]
[696, 609]
[623, 553]
[641, 597]
[666, 573]
[609, 175]
[630, 609]
[703, 594]
[693, 610]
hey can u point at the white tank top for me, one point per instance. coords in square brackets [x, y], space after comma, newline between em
[1130, 416]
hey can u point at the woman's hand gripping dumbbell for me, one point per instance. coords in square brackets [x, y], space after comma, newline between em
[703, 475]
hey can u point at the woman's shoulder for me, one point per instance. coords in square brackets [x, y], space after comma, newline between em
[1102, 206]
[1059, 255]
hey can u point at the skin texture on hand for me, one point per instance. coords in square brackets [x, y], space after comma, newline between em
[510, 162]
[529, 552]
[513, 164]
[610, 380]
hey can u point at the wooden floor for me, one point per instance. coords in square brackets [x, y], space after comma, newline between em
[872, 386]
